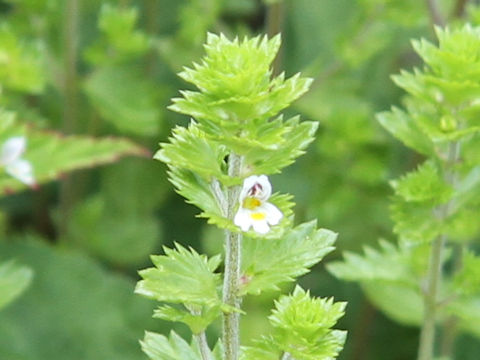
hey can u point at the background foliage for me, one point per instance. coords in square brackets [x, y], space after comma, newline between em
[107, 69]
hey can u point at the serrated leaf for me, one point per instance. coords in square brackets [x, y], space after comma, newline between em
[415, 222]
[52, 154]
[14, 279]
[197, 320]
[467, 280]
[209, 155]
[423, 184]
[181, 276]
[401, 125]
[401, 303]
[159, 347]
[390, 264]
[125, 99]
[268, 263]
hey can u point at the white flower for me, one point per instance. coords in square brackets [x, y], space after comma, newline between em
[15, 166]
[254, 209]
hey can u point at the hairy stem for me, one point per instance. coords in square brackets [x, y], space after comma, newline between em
[434, 273]
[450, 327]
[70, 102]
[203, 345]
[231, 320]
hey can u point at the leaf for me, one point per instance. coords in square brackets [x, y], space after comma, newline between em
[21, 63]
[401, 125]
[302, 327]
[69, 291]
[159, 347]
[401, 303]
[423, 184]
[181, 276]
[467, 280]
[52, 154]
[125, 99]
[268, 263]
[208, 161]
[389, 264]
[14, 279]
[196, 319]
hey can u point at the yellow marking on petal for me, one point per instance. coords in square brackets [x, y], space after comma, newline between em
[251, 203]
[258, 216]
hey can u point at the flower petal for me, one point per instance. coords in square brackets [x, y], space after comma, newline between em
[242, 219]
[274, 215]
[21, 170]
[12, 149]
[261, 226]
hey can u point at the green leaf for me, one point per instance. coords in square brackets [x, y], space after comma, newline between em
[125, 99]
[401, 303]
[467, 280]
[268, 263]
[423, 184]
[21, 63]
[159, 347]
[389, 264]
[401, 125]
[196, 319]
[208, 161]
[181, 276]
[14, 279]
[69, 291]
[52, 154]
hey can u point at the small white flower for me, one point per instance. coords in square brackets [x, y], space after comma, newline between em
[15, 166]
[254, 209]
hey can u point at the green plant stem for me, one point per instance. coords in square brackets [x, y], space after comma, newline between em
[203, 345]
[450, 327]
[233, 240]
[434, 273]
[70, 102]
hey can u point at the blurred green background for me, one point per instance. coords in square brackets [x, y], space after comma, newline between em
[107, 68]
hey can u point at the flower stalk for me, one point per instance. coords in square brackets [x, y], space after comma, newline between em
[233, 240]
[434, 274]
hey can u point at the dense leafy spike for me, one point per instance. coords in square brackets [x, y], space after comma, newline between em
[14, 279]
[302, 327]
[52, 154]
[172, 280]
[209, 155]
[125, 99]
[423, 184]
[266, 264]
[235, 84]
